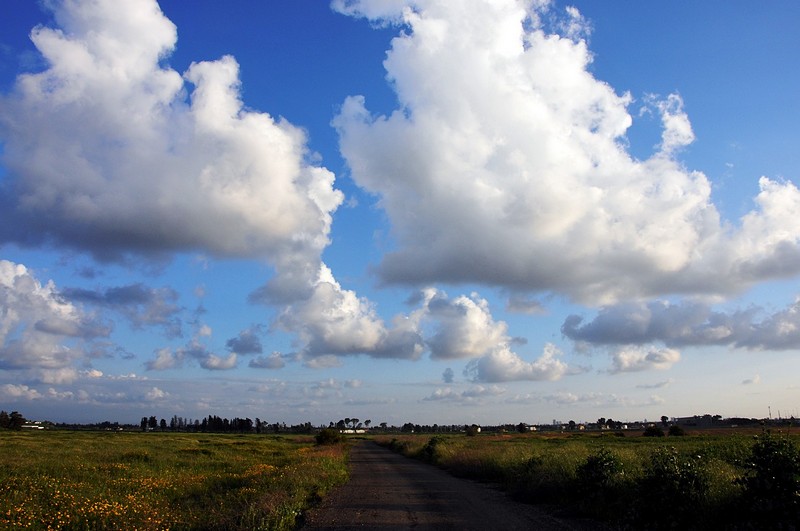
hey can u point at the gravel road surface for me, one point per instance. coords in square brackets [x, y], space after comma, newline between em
[389, 491]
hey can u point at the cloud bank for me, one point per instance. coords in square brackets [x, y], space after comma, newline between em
[688, 324]
[111, 151]
[506, 164]
[42, 336]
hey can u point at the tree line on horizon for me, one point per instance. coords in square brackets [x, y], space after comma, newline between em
[11, 421]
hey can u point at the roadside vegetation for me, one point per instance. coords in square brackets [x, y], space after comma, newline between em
[634, 482]
[142, 481]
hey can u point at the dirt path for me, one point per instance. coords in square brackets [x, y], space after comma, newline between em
[389, 491]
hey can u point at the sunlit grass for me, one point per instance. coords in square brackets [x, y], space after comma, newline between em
[138, 481]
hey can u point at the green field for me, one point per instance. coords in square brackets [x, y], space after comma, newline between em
[708, 481]
[133, 481]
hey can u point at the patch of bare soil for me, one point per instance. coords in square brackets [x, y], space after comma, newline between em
[389, 491]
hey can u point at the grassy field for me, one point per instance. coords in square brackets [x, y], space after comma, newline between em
[142, 481]
[709, 481]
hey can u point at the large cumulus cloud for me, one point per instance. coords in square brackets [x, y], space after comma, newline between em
[506, 164]
[111, 151]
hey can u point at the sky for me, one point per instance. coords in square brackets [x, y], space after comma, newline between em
[486, 211]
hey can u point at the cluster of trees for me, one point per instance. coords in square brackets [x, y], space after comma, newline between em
[12, 421]
[610, 424]
[352, 424]
[215, 424]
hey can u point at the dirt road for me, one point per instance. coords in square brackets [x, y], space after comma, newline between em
[389, 491]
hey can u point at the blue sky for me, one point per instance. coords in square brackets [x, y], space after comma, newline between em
[399, 210]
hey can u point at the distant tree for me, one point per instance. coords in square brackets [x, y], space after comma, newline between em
[664, 420]
[676, 431]
[571, 425]
[143, 424]
[384, 425]
[5, 421]
[258, 425]
[367, 423]
[347, 422]
[653, 431]
[15, 420]
[163, 425]
[472, 430]
[601, 422]
[152, 423]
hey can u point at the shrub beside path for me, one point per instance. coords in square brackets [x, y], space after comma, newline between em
[389, 491]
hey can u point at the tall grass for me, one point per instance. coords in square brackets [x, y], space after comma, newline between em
[132, 481]
[691, 482]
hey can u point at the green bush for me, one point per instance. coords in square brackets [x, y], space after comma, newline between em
[329, 436]
[672, 491]
[600, 485]
[772, 480]
[676, 431]
[653, 431]
[430, 452]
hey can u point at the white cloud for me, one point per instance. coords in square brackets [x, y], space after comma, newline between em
[632, 359]
[40, 332]
[446, 393]
[334, 322]
[63, 375]
[219, 363]
[326, 361]
[273, 361]
[155, 394]
[167, 358]
[466, 396]
[110, 151]
[677, 131]
[464, 327]
[503, 365]
[16, 392]
[506, 164]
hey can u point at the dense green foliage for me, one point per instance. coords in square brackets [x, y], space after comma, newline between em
[653, 431]
[14, 421]
[329, 436]
[772, 480]
[113, 480]
[710, 481]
